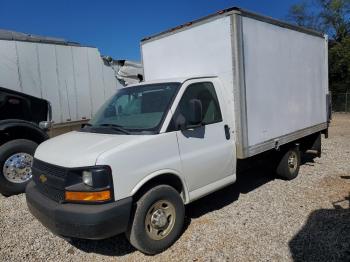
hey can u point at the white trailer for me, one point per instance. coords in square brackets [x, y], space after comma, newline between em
[49, 82]
[220, 92]
[277, 73]
[74, 78]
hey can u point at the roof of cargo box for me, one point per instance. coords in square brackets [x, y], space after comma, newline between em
[24, 37]
[240, 11]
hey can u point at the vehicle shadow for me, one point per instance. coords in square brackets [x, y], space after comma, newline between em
[247, 181]
[308, 159]
[325, 236]
[115, 246]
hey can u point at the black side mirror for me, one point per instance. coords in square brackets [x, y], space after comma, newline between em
[180, 122]
[195, 116]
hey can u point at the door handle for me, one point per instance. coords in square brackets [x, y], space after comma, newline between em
[227, 132]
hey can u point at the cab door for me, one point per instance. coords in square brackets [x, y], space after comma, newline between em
[208, 151]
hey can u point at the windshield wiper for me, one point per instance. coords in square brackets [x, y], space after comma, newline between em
[116, 127]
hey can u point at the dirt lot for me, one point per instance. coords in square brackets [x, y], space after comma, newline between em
[257, 219]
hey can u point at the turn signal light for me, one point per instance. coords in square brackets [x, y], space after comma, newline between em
[88, 196]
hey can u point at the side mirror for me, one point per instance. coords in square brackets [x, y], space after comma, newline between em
[45, 125]
[195, 116]
[180, 122]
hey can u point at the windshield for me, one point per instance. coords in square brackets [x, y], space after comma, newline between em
[135, 109]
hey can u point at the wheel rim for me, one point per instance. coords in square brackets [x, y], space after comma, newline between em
[160, 220]
[18, 168]
[292, 162]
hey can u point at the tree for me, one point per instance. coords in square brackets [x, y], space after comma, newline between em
[303, 15]
[339, 66]
[328, 16]
[333, 18]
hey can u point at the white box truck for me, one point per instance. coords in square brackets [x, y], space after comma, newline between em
[224, 90]
[53, 82]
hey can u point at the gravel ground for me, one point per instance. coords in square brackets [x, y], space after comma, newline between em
[258, 218]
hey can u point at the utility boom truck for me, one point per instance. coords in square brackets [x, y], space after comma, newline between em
[226, 89]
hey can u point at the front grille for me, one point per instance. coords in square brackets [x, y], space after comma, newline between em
[50, 180]
[51, 169]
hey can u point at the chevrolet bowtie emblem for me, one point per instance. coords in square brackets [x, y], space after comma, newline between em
[43, 178]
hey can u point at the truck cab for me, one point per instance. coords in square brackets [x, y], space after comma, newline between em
[174, 136]
[24, 120]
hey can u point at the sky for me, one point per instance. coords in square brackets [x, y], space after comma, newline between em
[116, 27]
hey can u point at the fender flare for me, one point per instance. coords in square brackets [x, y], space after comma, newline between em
[8, 124]
[158, 173]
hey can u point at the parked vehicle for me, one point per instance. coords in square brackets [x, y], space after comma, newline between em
[76, 81]
[239, 86]
[20, 134]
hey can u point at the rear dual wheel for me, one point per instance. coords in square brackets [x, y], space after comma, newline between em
[289, 165]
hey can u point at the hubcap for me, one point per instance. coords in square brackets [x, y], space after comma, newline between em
[18, 168]
[293, 162]
[160, 220]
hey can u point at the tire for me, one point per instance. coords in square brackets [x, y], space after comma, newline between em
[289, 165]
[8, 150]
[139, 233]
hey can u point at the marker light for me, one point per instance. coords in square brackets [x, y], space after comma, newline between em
[88, 196]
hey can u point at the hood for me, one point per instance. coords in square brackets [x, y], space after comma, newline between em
[79, 149]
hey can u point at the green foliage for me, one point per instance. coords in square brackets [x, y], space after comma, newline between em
[339, 66]
[333, 18]
[329, 16]
[303, 15]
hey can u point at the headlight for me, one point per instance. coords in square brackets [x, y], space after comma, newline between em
[87, 178]
[91, 184]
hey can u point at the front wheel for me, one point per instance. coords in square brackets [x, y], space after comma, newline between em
[289, 165]
[158, 220]
[16, 158]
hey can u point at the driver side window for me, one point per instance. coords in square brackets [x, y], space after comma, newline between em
[205, 92]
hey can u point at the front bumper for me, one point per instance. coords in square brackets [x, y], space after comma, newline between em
[84, 221]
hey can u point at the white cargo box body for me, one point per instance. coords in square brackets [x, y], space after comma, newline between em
[73, 78]
[275, 74]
